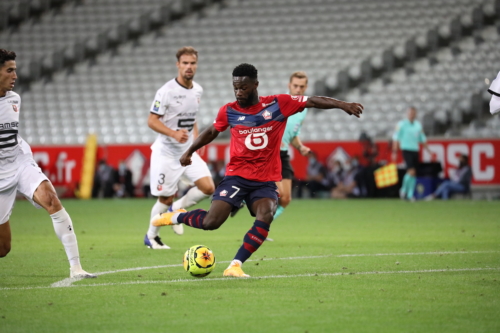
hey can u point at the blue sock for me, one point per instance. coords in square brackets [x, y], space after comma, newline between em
[252, 240]
[279, 211]
[412, 183]
[193, 218]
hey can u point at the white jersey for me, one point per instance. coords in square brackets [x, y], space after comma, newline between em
[12, 147]
[178, 108]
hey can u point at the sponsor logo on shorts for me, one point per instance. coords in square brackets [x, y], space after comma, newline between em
[223, 193]
[156, 107]
[267, 115]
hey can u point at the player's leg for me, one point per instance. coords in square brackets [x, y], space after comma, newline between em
[410, 178]
[412, 183]
[5, 239]
[164, 174]
[262, 201]
[8, 190]
[199, 174]
[264, 209]
[45, 196]
[212, 219]
[152, 239]
[230, 193]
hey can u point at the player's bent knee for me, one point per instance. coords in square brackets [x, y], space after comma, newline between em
[208, 190]
[166, 200]
[285, 201]
[267, 217]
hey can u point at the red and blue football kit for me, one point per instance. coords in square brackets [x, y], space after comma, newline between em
[256, 133]
[255, 163]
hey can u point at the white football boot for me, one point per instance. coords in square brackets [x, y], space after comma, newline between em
[78, 272]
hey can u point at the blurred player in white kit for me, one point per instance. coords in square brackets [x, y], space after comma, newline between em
[495, 95]
[20, 173]
[173, 116]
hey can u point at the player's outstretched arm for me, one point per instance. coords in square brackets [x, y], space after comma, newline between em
[202, 140]
[321, 102]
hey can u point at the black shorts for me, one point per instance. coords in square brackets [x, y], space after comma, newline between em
[286, 167]
[234, 189]
[411, 158]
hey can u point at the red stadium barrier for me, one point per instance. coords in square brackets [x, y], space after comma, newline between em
[63, 164]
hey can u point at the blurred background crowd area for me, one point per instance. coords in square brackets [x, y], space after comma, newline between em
[93, 66]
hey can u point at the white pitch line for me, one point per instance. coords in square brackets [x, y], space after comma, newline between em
[444, 270]
[68, 282]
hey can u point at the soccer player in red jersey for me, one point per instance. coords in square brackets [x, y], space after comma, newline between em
[257, 124]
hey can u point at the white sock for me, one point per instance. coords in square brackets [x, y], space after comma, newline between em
[191, 198]
[158, 208]
[63, 227]
[235, 262]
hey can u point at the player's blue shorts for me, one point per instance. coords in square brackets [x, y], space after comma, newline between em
[235, 189]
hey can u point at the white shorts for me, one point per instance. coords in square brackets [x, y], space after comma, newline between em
[26, 180]
[166, 172]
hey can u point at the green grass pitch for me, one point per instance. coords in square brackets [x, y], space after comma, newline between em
[335, 266]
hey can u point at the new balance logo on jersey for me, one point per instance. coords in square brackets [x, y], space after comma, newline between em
[241, 118]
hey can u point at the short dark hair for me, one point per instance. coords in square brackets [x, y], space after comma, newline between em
[186, 50]
[245, 70]
[6, 55]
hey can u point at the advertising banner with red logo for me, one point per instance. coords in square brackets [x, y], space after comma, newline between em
[63, 164]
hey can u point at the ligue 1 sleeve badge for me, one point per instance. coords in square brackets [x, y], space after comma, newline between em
[14, 106]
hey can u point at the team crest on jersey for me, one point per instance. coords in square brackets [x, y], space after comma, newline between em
[223, 193]
[156, 107]
[14, 107]
[267, 115]
[241, 118]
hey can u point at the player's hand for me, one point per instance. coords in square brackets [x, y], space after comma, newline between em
[181, 135]
[354, 109]
[185, 159]
[304, 151]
